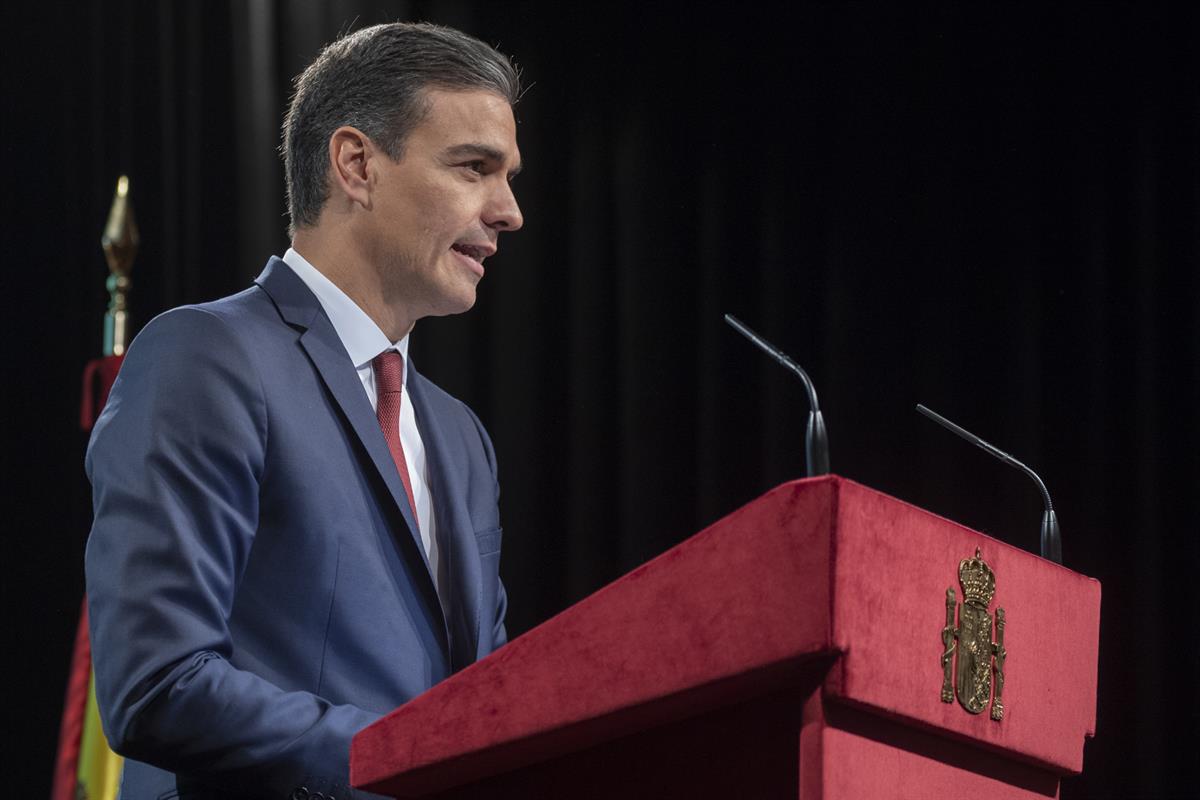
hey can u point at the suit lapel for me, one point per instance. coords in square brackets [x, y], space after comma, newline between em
[300, 308]
[343, 382]
[444, 450]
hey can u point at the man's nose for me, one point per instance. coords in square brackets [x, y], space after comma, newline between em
[502, 212]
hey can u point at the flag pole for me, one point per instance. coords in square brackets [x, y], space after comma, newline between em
[86, 767]
[120, 242]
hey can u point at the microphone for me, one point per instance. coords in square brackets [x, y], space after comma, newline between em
[816, 440]
[1051, 536]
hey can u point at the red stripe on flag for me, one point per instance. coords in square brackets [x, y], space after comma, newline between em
[66, 766]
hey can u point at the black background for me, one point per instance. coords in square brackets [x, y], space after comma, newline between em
[991, 210]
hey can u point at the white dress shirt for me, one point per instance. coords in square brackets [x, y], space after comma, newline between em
[363, 340]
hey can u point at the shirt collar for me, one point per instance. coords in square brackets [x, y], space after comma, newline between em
[361, 337]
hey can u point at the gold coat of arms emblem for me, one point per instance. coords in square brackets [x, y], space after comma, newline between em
[969, 676]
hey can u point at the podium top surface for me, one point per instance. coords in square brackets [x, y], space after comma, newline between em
[819, 571]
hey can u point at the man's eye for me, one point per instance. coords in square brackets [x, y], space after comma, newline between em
[478, 167]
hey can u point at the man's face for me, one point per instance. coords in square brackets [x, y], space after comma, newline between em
[438, 212]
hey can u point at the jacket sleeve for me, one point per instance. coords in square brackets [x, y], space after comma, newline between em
[175, 461]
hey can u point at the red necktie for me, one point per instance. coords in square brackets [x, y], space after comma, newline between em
[389, 377]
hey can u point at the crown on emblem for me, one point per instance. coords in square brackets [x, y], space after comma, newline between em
[977, 579]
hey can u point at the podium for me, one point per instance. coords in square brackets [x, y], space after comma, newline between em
[794, 648]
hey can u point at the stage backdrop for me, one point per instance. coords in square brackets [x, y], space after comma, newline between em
[989, 210]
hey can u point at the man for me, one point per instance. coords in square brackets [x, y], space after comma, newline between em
[294, 531]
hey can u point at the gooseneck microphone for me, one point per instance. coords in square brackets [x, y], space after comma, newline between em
[1051, 536]
[816, 440]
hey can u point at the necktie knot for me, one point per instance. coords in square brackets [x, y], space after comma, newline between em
[389, 372]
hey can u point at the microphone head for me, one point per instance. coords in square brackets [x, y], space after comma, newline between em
[816, 446]
[1051, 537]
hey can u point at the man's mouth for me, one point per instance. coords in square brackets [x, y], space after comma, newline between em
[474, 252]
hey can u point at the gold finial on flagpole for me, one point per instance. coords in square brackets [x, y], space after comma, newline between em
[120, 243]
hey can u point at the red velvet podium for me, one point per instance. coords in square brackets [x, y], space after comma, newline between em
[792, 649]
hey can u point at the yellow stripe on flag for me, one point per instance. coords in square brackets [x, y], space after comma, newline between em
[99, 767]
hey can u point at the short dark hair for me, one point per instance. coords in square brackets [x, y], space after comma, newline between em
[374, 80]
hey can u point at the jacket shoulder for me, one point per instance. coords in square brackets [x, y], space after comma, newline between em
[242, 313]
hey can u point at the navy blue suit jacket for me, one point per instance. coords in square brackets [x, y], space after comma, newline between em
[256, 591]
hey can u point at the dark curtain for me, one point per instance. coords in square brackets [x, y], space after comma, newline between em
[991, 210]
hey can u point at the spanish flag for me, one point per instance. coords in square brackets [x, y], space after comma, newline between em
[86, 767]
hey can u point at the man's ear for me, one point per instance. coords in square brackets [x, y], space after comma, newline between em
[349, 151]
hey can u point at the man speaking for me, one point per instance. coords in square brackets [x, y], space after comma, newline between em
[295, 532]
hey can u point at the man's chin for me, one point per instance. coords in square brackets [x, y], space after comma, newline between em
[456, 304]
